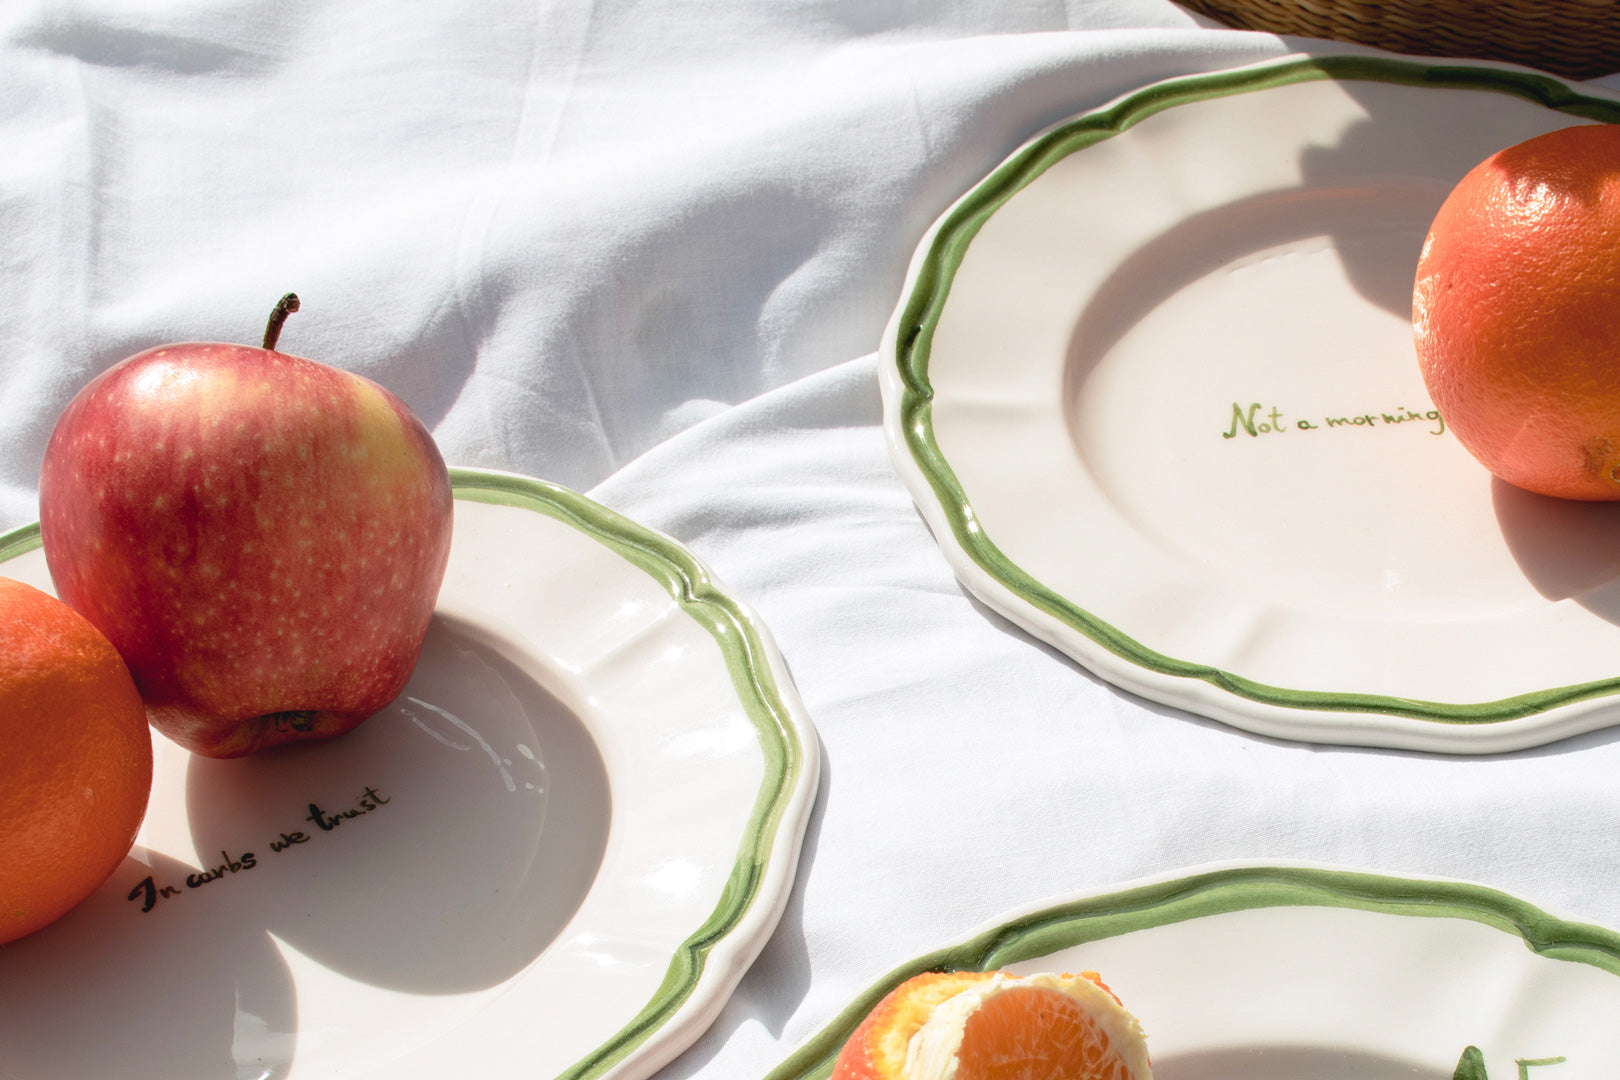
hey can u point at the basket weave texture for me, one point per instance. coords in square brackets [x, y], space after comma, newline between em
[1578, 39]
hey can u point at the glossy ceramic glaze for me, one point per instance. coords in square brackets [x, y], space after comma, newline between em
[1247, 972]
[1153, 386]
[553, 855]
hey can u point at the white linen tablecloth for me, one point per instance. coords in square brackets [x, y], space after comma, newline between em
[646, 250]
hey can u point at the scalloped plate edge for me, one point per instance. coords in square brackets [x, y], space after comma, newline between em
[709, 962]
[1211, 889]
[1345, 718]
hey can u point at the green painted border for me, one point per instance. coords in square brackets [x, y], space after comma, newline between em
[688, 583]
[746, 654]
[925, 302]
[1048, 930]
[19, 541]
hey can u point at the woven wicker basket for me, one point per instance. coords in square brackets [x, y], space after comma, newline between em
[1579, 39]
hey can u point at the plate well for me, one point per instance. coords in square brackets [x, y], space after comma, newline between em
[337, 903]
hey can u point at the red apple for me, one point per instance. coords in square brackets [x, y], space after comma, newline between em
[261, 536]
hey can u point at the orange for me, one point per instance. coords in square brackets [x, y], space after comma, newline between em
[75, 759]
[1516, 312]
[996, 1026]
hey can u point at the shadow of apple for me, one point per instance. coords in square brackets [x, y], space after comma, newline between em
[438, 848]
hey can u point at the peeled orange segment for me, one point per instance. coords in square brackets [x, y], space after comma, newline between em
[877, 1049]
[995, 1026]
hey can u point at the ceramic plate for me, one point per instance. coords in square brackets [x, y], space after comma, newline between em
[553, 856]
[1280, 972]
[1153, 387]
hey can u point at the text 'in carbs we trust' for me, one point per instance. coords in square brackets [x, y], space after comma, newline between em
[148, 892]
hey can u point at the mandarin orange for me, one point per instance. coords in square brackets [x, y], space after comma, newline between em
[1516, 312]
[75, 759]
[973, 1025]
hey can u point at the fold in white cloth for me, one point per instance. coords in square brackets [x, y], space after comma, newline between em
[646, 250]
[561, 234]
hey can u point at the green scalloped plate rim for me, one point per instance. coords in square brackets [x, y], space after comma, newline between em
[1215, 891]
[789, 758]
[923, 304]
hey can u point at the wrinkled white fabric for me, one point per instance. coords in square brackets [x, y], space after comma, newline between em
[647, 250]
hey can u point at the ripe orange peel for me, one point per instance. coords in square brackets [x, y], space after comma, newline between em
[972, 1025]
[75, 759]
[1514, 313]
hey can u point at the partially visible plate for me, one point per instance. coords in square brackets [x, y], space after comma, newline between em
[553, 856]
[1152, 386]
[1248, 972]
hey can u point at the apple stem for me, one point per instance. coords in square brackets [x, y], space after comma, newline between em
[284, 307]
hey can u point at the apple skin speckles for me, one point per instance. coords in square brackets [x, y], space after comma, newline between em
[258, 534]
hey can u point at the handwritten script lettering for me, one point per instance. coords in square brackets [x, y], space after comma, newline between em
[1256, 420]
[148, 892]
[368, 801]
[230, 866]
[1471, 1066]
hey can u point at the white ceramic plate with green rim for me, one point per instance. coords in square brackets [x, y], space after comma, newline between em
[553, 856]
[1251, 972]
[1152, 386]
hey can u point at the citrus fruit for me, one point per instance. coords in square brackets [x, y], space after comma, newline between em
[75, 759]
[986, 1025]
[1516, 312]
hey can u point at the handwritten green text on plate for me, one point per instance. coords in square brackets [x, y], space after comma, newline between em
[1472, 1065]
[1257, 420]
